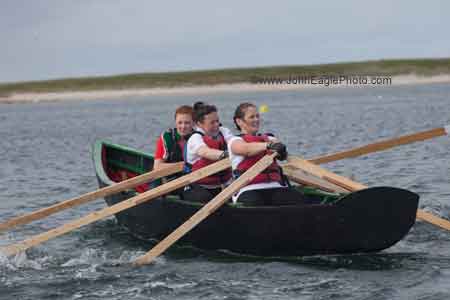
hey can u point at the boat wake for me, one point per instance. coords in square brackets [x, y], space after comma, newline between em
[21, 261]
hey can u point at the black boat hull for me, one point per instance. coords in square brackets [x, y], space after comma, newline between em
[353, 225]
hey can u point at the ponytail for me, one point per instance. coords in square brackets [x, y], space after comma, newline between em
[201, 110]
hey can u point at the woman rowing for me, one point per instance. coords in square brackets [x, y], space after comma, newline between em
[206, 145]
[169, 148]
[170, 144]
[269, 187]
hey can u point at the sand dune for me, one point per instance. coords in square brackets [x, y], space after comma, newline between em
[202, 90]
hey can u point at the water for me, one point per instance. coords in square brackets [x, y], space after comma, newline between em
[45, 151]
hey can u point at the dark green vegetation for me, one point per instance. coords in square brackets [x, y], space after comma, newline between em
[426, 67]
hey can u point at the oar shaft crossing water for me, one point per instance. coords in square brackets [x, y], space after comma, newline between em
[88, 197]
[103, 213]
[353, 186]
[383, 145]
[135, 181]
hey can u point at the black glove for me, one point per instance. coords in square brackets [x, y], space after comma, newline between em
[280, 148]
[224, 154]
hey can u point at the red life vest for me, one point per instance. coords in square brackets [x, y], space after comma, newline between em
[217, 178]
[271, 174]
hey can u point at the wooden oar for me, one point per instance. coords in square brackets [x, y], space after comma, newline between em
[320, 172]
[351, 185]
[95, 216]
[207, 210]
[383, 145]
[103, 192]
[350, 153]
[131, 183]
[302, 177]
[340, 185]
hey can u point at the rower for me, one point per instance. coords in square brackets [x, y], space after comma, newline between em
[170, 144]
[270, 187]
[206, 145]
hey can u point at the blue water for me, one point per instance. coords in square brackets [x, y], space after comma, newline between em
[45, 151]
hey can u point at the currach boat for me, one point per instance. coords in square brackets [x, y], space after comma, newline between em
[364, 221]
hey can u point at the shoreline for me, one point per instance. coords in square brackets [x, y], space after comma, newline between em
[399, 80]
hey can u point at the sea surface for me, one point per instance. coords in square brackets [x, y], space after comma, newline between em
[45, 151]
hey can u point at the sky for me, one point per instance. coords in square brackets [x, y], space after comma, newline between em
[47, 39]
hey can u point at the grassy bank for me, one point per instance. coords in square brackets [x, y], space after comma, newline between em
[425, 67]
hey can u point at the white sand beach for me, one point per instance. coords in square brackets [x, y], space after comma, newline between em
[202, 90]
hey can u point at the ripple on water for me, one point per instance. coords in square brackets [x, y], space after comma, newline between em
[50, 162]
[21, 261]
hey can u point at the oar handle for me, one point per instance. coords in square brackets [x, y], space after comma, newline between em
[304, 178]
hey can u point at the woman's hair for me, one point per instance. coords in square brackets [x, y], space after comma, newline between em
[201, 110]
[184, 110]
[240, 111]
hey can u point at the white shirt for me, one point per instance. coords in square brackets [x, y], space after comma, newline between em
[196, 141]
[236, 160]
